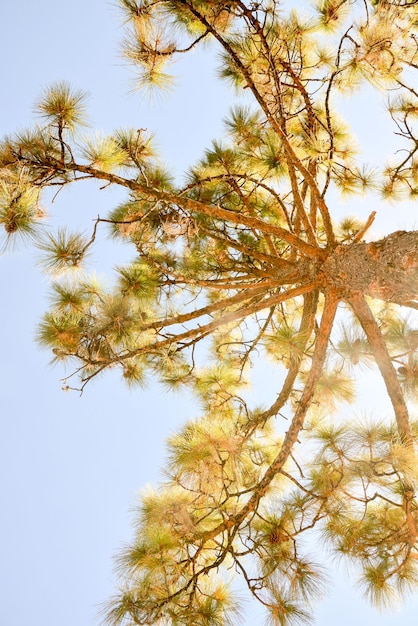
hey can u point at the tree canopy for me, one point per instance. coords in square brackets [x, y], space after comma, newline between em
[248, 264]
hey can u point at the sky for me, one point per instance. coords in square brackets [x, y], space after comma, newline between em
[72, 467]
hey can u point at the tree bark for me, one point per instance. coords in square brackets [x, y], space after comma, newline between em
[385, 269]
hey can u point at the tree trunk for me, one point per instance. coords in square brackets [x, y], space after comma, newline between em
[385, 269]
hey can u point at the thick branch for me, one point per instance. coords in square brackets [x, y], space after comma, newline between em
[290, 153]
[305, 329]
[211, 210]
[318, 360]
[378, 345]
[231, 316]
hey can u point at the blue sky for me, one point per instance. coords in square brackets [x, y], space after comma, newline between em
[72, 467]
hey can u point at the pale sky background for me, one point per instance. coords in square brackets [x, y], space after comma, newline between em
[72, 467]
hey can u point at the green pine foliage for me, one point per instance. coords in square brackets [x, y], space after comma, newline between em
[63, 107]
[246, 265]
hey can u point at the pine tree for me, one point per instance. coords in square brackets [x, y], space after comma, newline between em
[244, 264]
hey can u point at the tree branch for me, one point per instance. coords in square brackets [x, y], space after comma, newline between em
[378, 345]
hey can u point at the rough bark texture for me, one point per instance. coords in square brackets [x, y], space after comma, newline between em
[385, 269]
